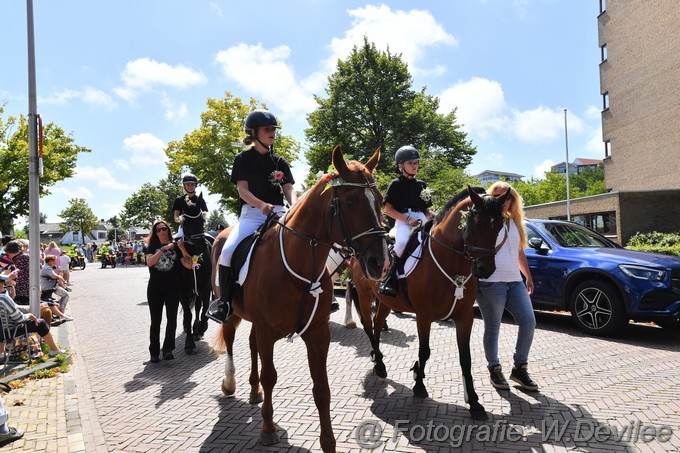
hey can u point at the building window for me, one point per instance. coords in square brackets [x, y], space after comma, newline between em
[603, 52]
[76, 236]
[603, 6]
[605, 100]
[101, 235]
[607, 148]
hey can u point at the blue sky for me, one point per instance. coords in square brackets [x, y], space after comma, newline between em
[127, 77]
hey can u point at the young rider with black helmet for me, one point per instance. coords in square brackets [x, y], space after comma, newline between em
[407, 202]
[262, 179]
[183, 202]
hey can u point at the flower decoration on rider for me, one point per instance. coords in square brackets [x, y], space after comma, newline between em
[190, 203]
[426, 194]
[276, 178]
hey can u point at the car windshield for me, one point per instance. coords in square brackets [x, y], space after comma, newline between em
[574, 236]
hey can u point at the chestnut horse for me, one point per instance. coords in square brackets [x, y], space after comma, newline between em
[288, 289]
[460, 245]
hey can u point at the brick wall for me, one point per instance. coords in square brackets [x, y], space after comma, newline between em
[642, 76]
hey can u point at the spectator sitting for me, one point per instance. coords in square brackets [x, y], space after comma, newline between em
[52, 283]
[4, 241]
[8, 268]
[16, 318]
[14, 249]
[52, 249]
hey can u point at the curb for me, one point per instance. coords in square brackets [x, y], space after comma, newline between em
[23, 370]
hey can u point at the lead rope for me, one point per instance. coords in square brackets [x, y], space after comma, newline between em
[460, 286]
[314, 288]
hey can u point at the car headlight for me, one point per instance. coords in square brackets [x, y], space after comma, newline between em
[643, 273]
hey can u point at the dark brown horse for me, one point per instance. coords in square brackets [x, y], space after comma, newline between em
[282, 296]
[459, 248]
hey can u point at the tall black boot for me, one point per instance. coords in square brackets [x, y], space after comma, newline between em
[388, 286]
[220, 310]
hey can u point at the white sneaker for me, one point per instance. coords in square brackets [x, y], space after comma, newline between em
[66, 318]
[58, 351]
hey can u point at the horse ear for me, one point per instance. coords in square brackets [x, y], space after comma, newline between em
[373, 161]
[474, 196]
[339, 161]
[501, 200]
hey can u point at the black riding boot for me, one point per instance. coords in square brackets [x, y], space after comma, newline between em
[388, 286]
[220, 310]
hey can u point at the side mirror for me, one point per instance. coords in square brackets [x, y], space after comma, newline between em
[535, 243]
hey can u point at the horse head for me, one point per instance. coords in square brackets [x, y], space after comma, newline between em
[355, 213]
[483, 221]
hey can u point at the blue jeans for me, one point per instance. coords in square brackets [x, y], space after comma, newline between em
[495, 297]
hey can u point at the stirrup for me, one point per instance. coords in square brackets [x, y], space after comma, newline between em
[219, 311]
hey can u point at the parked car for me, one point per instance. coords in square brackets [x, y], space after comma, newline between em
[602, 284]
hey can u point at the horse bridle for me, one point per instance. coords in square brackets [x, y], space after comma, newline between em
[349, 248]
[468, 250]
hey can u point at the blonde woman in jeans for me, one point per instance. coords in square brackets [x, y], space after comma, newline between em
[505, 290]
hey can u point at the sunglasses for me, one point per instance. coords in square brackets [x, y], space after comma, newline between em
[161, 229]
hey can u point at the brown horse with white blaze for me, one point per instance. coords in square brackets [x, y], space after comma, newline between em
[460, 246]
[288, 289]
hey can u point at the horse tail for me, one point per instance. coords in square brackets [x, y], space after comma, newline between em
[219, 344]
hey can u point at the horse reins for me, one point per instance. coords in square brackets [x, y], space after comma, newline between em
[346, 251]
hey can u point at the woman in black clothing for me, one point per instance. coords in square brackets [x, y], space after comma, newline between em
[164, 258]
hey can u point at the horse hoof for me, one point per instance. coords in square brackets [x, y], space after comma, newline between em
[228, 390]
[269, 438]
[380, 370]
[255, 397]
[351, 325]
[479, 413]
[190, 351]
[419, 391]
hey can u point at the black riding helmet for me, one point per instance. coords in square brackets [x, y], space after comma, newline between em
[189, 178]
[405, 154]
[258, 118]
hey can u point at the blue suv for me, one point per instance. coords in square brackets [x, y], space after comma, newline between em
[602, 284]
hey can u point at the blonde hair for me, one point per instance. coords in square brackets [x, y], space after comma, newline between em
[516, 209]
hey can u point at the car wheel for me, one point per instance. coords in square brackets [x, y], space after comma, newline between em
[596, 307]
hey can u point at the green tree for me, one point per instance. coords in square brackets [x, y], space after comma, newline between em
[371, 105]
[144, 206]
[60, 154]
[208, 152]
[78, 217]
[443, 180]
[215, 218]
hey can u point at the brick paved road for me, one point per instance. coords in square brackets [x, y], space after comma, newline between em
[113, 400]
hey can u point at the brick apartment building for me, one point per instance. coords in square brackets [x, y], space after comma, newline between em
[639, 44]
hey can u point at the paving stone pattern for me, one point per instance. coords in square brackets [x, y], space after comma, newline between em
[113, 400]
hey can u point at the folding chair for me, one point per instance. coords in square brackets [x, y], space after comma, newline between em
[9, 335]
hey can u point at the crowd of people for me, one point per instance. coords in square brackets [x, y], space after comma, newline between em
[15, 315]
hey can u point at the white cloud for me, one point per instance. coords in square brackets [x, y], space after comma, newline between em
[173, 111]
[65, 193]
[595, 145]
[217, 9]
[88, 95]
[408, 33]
[543, 125]
[267, 74]
[542, 168]
[101, 176]
[480, 103]
[145, 74]
[496, 160]
[146, 149]
[122, 164]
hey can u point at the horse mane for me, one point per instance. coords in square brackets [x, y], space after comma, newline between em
[453, 202]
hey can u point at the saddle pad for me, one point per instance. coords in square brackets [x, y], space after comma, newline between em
[413, 259]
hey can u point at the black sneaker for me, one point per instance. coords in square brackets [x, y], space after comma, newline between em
[10, 436]
[219, 311]
[520, 375]
[497, 379]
